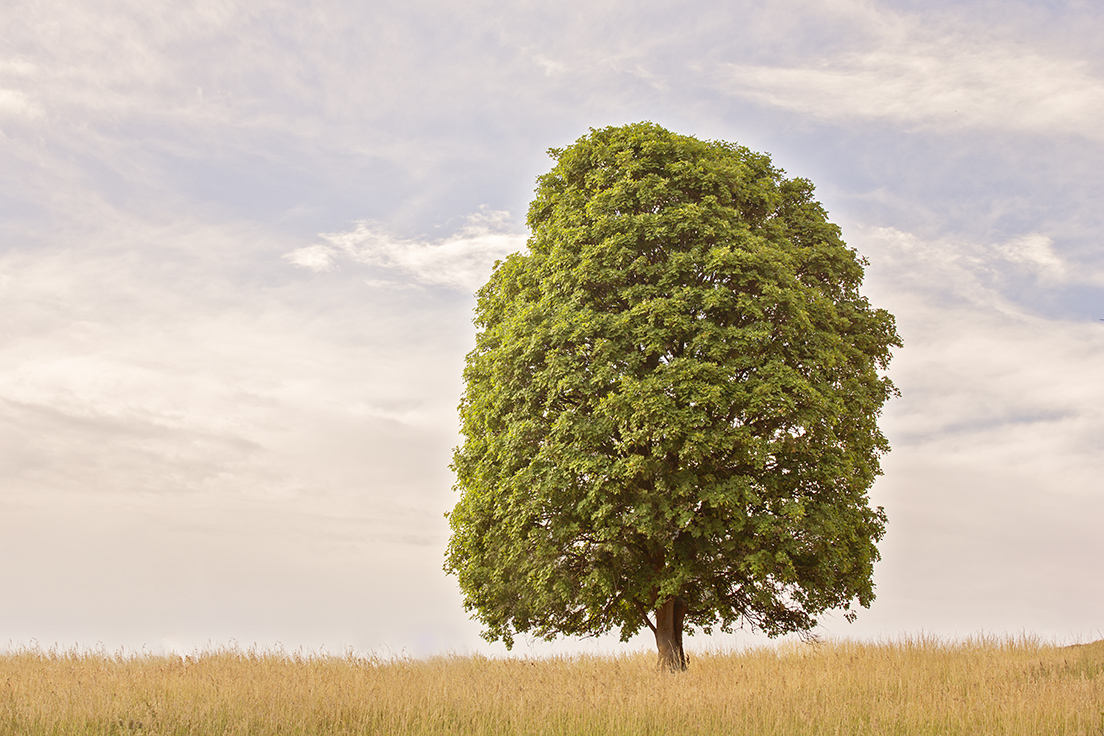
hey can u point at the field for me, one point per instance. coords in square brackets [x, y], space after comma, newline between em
[984, 687]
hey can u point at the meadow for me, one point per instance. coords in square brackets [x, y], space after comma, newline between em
[913, 687]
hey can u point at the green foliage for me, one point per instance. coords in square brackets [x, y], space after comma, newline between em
[675, 392]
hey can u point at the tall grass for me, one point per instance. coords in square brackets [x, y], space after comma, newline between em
[983, 687]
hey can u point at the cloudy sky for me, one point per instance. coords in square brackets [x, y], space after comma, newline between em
[238, 243]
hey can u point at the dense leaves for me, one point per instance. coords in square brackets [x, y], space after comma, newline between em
[674, 393]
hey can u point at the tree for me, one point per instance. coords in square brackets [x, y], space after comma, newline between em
[670, 413]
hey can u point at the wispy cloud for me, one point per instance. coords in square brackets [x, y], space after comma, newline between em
[141, 365]
[462, 260]
[986, 380]
[315, 257]
[933, 77]
[996, 440]
[960, 269]
[1035, 252]
[16, 103]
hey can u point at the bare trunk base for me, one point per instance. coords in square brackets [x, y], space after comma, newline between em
[668, 635]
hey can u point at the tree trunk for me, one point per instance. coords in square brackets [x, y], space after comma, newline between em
[668, 635]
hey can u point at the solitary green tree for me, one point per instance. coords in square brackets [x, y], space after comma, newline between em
[670, 414]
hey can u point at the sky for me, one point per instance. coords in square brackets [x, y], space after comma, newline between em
[239, 243]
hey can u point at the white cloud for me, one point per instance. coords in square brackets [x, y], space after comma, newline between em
[157, 394]
[956, 270]
[15, 103]
[550, 67]
[313, 257]
[1036, 252]
[939, 77]
[986, 382]
[17, 67]
[996, 438]
[137, 364]
[462, 260]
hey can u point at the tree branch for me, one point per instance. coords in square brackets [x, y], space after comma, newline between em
[644, 615]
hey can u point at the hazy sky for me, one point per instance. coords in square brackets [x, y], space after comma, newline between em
[238, 243]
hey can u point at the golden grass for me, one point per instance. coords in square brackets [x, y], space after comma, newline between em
[913, 687]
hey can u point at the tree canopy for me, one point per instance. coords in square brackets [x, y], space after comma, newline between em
[670, 413]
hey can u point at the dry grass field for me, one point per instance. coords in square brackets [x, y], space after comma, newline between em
[914, 687]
